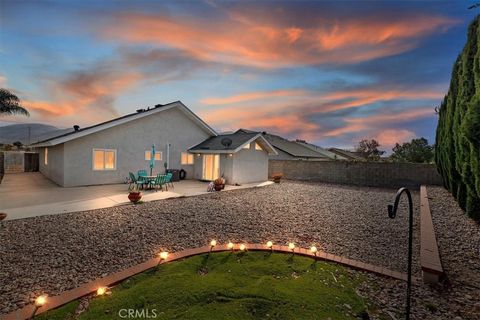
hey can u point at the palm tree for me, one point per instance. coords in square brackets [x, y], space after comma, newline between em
[10, 104]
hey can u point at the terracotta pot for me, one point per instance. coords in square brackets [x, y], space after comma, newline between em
[219, 187]
[135, 196]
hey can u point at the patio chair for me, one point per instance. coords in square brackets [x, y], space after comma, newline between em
[141, 177]
[134, 180]
[169, 177]
[159, 181]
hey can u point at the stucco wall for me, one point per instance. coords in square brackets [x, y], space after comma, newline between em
[55, 168]
[375, 174]
[250, 165]
[131, 140]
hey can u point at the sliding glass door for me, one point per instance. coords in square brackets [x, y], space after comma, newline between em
[211, 166]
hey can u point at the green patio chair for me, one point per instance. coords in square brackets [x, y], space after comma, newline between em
[134, 180]
[159, 181]
[168, 178]
[141, 177]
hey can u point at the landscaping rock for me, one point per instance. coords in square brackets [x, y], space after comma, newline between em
[53, 253]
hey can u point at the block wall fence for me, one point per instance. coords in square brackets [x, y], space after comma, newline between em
[372, 174]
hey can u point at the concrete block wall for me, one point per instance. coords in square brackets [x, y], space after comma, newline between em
[14, 161]
[373, 174]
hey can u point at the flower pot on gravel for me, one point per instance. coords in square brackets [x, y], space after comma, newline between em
[219, 184]
[134, 196]
[277, 177]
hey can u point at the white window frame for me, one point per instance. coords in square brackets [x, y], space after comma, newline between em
[189, 155]
[104, 150]
[45, 157]
[150, 152]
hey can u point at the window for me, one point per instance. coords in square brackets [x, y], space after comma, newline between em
[257, 146]
[148, 155]
[45, 160]
[104, 159]
[247, 146]
[187, 158]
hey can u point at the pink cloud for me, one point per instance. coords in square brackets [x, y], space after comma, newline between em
[388, 138]
[237, 39]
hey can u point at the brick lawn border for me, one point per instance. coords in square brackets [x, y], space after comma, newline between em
[432, 270]
[114, 278]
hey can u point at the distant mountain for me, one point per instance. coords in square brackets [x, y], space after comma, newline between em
[29, 132]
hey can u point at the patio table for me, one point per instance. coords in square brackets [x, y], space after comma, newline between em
[149, 179]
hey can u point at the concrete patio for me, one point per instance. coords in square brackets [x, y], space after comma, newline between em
[30, 194]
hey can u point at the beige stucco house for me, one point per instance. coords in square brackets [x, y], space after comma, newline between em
[105, 153]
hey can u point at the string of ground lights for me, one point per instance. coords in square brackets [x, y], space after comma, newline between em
[102, 286]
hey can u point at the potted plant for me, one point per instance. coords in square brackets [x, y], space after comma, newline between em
[134, 193]
[219, 184]
[277, 177]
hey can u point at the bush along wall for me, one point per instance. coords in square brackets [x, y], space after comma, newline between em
[457, 151]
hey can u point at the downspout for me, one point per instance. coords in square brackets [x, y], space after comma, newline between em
[168, 155]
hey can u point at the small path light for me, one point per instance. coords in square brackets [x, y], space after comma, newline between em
[243, 247]
[163, 255]
[213, 243]
[313, 250]
[101, 291]
[40, 301]
[270, 245]
[230, 245]
[291, 246]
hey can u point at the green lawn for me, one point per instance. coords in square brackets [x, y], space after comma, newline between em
[254, 285]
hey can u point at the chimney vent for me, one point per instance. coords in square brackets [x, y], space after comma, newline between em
[76, 127]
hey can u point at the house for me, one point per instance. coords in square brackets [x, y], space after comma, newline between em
[106, 152]
[293, 150]
[349, 155]
[239, 157]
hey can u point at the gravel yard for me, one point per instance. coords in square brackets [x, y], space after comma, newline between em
[56, 253]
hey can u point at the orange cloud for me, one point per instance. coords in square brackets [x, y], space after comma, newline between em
[48, 109]
[240, 40]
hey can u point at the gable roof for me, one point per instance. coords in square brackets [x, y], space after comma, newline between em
[238, 140]
[141, 113]
[321, 150]
[291, 147]
[350, 155]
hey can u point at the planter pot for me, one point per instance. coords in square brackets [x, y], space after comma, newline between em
[276, 180]
[219, 187]
[135, 196]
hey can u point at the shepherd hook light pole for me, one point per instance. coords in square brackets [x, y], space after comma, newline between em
[392, 212]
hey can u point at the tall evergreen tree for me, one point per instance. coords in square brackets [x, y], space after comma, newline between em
[457, 151]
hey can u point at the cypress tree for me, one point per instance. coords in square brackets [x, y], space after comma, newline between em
[457, 151]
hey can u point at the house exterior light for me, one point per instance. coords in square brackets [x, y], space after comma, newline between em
[269, 244]
[230, 245]
[213, 243]
[313, 250]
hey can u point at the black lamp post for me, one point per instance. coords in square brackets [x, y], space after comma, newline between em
[392, 211]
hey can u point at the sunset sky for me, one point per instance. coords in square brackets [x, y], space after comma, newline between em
[328, 72]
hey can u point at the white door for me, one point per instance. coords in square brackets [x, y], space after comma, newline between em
[211, 166]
